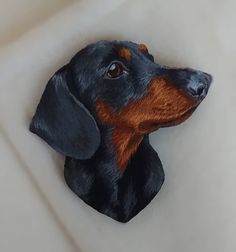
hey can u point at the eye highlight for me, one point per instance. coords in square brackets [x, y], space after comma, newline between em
[115, 70]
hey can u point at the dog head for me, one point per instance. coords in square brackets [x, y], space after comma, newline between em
[119, 85]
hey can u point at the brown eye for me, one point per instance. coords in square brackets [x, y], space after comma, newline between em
[115, 70]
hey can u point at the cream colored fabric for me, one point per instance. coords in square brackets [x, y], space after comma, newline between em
[196, 208]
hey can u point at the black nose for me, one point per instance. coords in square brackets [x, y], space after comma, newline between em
[192, 82]
[198, 84]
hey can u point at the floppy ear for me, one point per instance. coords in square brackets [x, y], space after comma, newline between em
[64, 122]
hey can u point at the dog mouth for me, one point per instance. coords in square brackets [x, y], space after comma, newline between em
[152, 125]
[180, 119]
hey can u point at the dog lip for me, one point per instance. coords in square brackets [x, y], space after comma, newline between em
[152, 125]
[178, 120]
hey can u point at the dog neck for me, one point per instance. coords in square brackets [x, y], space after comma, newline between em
[118, 194]
[122, 143]
[125, 143]
[123, 139]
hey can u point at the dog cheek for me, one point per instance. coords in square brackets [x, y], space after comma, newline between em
[162, 103]
[169, 99]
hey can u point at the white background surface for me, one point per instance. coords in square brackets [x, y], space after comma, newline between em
[196, 208]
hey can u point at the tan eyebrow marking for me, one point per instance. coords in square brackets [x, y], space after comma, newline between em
[143, 48]
[125, 53]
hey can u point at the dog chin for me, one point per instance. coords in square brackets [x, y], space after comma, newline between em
[180, 119]
[150, 126]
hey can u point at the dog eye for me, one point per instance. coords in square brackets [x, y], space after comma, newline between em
[115, 70]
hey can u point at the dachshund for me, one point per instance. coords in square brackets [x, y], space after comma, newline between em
[98, 111]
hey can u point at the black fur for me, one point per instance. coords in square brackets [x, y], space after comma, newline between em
[66, 119]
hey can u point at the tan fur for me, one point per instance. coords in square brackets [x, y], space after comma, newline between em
[143, 48]
[125, 143]
[163, 104]
[125, 53]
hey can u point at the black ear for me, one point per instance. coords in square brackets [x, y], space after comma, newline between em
[64, 122]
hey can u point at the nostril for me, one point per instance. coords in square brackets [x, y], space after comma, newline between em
[192, 91]
[201, 90]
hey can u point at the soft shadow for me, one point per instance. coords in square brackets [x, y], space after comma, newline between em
[27, 17]
[41, 194]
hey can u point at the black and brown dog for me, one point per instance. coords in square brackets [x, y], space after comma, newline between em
[98, 111]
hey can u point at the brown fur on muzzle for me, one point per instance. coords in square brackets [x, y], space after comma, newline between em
[162, 105]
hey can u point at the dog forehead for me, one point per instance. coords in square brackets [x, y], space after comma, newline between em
[103, 52]
[105, 47]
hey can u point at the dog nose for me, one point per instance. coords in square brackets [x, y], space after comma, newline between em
[192, 82]
[197, 90]
[198, 85]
